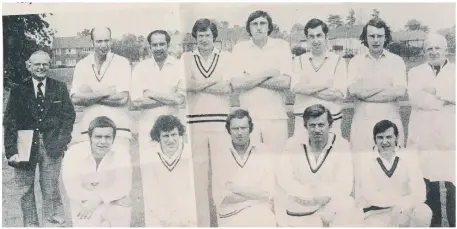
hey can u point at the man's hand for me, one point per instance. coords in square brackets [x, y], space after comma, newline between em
[430, 90]
[85, 89]
[88, 208]
[14, 159]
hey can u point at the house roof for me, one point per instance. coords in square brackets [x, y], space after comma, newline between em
[71, 42]
[408, 35]
[345, 32]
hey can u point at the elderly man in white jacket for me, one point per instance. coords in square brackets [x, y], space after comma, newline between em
[98, 179]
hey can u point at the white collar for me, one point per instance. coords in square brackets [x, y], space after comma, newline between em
[197, 52]
[109, 57]
[36, 82]
[169, 60]
[241, 161]
[330, 140]
[326, 55]
[268, 43]
[397, 152]
[384, 54]
[170, 162]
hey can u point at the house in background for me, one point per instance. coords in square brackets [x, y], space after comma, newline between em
[67, 51]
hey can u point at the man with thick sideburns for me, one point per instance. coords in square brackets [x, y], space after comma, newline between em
[316, 176]
[243, 175]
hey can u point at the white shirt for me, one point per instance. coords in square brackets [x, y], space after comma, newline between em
[112, 180]
[301, 175]
[217, 68]
[148, 76]
[405, 184]
[115, 71]
[306, 71]
[253, 60]
[169, 191]
[432, 127]
[256, 169]
[35, 86]
[389, 67]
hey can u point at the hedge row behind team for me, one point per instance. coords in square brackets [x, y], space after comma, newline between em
[261, 69]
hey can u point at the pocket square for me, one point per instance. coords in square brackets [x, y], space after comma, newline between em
[56, 101]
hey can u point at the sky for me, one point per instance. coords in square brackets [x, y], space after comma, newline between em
[141, 18]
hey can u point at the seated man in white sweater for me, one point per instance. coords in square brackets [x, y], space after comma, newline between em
[316, 175]
[168, 176]
[392, 187]
[242, 176]
[98, 179]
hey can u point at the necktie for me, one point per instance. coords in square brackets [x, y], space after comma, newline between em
[437, 69]
[39, 94]
[40, 98]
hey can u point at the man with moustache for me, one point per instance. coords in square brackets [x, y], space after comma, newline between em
[101, 85]
[208, 93]
[42, 105]
[98, 179]
[243, 175]
[263, 67]
[392, 186]
[157, 83]
[169, 197]
[431, 89]
[316, 175]
[320, 77]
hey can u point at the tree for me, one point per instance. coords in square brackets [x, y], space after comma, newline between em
[127, 47]
[84, 33]
[334, 21]
[23, 35]
[350, 19]
[276, 33]
[375, 14]
[414, 25]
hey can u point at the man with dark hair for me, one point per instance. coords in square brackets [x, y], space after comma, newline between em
[243, 175]
[263, 67]
[208, 92]
[431, 89]
[320, 76]
[169, 192]
[101, 85]
[316, 176]
[40, 108]
[376, 79]
[98, 178]
[392, 189]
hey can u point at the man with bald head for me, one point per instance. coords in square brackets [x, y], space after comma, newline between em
[42, 106]
[101, 84]
[431, 89]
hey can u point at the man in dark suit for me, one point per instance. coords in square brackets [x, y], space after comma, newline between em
[43, 105]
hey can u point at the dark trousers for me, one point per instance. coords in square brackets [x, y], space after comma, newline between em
[49, 168]
[434, 202]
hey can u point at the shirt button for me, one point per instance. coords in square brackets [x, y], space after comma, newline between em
[41, 109]
[40, 120]
[34, 142]
[37, 129]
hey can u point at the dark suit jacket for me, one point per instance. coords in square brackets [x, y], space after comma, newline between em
[22, 114]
